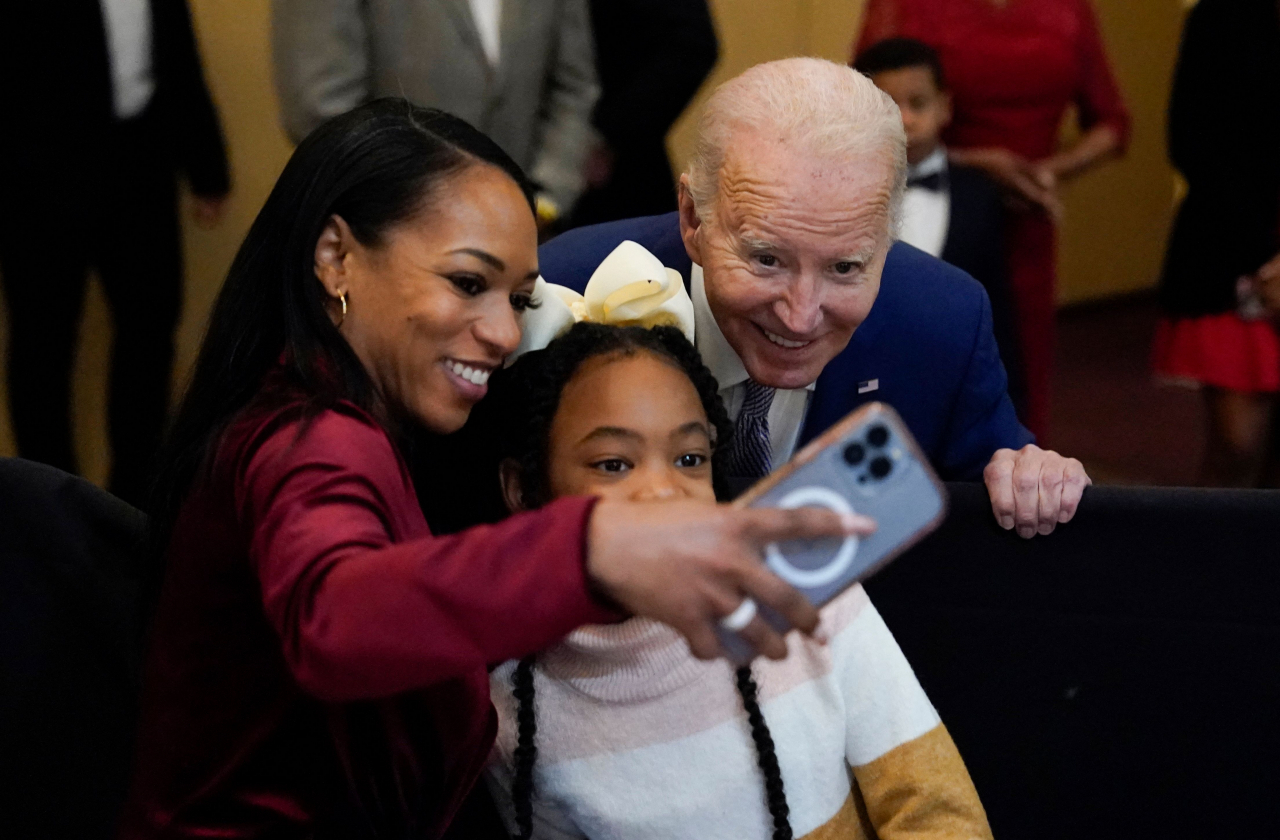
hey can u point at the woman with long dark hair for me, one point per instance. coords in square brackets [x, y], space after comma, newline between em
[318, 661]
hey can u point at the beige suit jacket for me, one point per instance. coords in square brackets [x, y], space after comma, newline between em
[332, 55]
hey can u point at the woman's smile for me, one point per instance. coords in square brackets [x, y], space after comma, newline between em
[470, 378]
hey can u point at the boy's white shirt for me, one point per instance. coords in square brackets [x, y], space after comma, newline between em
[487, 16]
[926, 214]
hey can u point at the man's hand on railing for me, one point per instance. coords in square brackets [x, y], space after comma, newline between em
[1033, 489]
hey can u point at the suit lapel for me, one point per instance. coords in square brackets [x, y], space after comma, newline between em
[460, 11]
[837, 389]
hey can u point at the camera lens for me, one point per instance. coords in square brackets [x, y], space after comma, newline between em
[854, 453]
[880, 467]
[878, 436]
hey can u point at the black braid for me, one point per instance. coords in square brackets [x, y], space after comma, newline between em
[526, 750]
[775, 794]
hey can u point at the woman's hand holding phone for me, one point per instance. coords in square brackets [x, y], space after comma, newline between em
[689, 564]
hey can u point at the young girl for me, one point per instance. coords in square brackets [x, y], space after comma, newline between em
[618, 732]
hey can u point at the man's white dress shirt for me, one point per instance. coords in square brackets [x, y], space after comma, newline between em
[926, 214]
[487, 15]
[128, 30]
[786, 414]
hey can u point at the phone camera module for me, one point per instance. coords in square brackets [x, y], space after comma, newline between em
[854, 454]
[878, 436]
[880, 467]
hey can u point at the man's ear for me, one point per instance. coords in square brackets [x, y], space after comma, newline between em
[332, 249]
[689, 221]
[512, 492]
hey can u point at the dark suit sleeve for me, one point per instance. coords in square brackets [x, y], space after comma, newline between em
[982, 418]
[191, 120]
[669, 50]
[976, 244]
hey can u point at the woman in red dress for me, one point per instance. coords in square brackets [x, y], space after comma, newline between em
[318, 656]
[1014, 67]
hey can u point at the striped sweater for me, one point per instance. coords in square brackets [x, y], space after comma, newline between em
[638, 739]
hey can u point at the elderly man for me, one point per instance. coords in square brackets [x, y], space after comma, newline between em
[805, 306]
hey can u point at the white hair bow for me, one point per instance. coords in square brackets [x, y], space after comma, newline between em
[630, 288]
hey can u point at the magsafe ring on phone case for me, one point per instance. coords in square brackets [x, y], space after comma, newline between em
[813, 496]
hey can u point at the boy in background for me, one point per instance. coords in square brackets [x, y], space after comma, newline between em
[952, 212]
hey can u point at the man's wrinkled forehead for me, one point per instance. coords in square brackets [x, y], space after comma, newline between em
[769, 187]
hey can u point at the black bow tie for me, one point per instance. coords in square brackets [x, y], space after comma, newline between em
[936, 182]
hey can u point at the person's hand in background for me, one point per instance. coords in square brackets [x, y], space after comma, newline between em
[1267, 281]
[1027, 185]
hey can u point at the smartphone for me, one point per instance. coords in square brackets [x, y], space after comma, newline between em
[868, 463]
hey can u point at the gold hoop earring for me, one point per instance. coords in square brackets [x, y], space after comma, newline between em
[342, 299]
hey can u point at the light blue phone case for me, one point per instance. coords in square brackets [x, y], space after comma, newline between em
[867, 463]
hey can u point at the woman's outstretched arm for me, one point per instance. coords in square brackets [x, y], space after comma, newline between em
[367, 603]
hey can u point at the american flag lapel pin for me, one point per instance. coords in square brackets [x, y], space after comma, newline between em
[868, 386]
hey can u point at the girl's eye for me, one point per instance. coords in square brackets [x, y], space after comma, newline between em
[522, 302]
[691, 459]
[611, 465]
[469, 284]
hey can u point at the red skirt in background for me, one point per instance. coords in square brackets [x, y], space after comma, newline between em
[1220, 351]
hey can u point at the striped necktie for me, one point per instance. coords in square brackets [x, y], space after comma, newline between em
[751, 456]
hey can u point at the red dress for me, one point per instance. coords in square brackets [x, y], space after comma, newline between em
[1013, 71]
[314, 639]
[1221, 350]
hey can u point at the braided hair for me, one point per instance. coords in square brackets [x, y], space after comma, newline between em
[775, 794]
[526, 748]
[518, 413]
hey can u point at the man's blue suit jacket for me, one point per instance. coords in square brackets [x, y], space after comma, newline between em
[926, 348]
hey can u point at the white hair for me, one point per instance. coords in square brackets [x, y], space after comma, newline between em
[827, 109]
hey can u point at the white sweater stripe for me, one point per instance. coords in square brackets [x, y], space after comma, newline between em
[683, 764]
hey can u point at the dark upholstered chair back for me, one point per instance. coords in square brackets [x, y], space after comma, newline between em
[70, 650]
[1120, 678]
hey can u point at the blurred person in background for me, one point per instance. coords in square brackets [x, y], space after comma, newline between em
[521, 71]
[1014, 68]
[949, 211]
[652, 56]
[1222, 270]
[105, 106]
